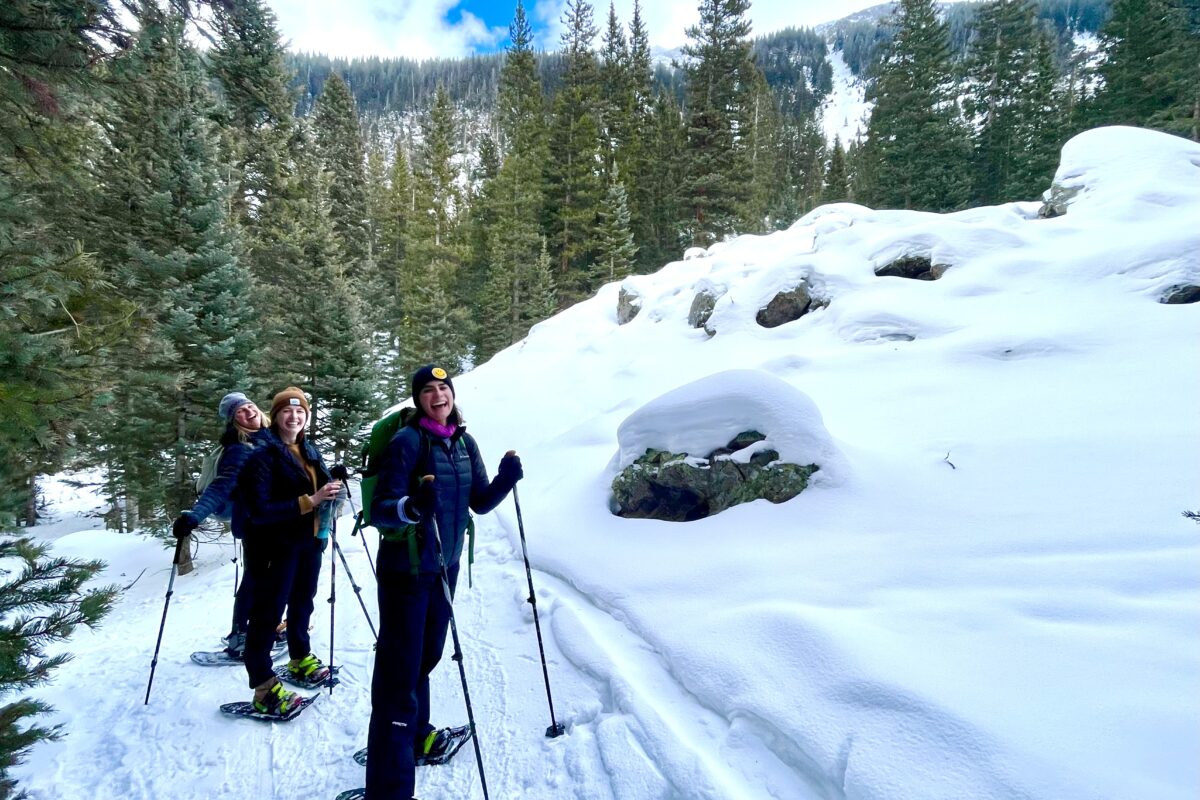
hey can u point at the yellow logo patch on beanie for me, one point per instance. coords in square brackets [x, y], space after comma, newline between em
[438, 373]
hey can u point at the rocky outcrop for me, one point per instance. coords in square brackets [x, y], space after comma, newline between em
[1181, 294]
[629, 303]
[702, 308]
[785, 307]
[1057, 199]
[916, 267]
[681, 487]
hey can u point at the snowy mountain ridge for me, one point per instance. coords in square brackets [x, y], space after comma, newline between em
[996, 597]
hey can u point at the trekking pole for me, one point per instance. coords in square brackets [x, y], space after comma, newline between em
[332, 599]
[358, 526]
[342, 474]
[458, 656]
[556, 728]
[179, 546]
[357, 589]
[235, 567]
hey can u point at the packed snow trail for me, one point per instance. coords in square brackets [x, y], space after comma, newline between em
[632, 732]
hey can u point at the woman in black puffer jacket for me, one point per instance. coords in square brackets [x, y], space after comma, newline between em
[413, 610]
[283, 484]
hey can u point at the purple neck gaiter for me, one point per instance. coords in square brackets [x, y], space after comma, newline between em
[445, 431]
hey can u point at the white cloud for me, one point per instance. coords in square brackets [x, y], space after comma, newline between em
[668, 20]
[419, 29]
[415, 29]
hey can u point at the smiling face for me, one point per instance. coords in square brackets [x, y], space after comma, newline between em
[248, 416]
[437, 401]
[290, 421]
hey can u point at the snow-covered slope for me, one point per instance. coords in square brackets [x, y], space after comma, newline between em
[845, 111]
[992, 595]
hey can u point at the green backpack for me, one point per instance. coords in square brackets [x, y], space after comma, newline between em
[382, 433]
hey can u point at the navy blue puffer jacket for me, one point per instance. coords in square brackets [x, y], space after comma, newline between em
[271, 485]
[461, 482]
[221, 496]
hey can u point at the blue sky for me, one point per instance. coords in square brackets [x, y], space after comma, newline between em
[423, 29]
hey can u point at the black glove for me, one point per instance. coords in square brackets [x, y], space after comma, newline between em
[340, 473]
[510, 469]
[183, 526]
[422, 503]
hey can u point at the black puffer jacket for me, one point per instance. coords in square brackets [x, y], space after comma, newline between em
[271, 484]
[461, 482]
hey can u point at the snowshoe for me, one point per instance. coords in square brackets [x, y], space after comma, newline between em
[326, 677]
[440, 746]
[250, 710]
[222, 658]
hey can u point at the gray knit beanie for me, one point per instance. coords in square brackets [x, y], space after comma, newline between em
[230, 403]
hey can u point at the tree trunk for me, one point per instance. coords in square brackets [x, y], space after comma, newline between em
[31, 502]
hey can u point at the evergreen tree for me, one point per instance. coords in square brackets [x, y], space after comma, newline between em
[167, 240]
[41, 607]
[719, 87]
[1151, 68]
[666, 146]
[342, 153]
[635, 160]
[918, 146]
[837, 181]
[393, 233]
[58, 314]
[616, 92]
[1040, 128]
[431, 328]
[1011, 102]
[520, 110]
[247, 59]
[616, 249]
[509, 301]
[480, 206]
[323, 338]
[574, 184]
[259, 135]
[376, 177]
[543, 296]
[761, 133]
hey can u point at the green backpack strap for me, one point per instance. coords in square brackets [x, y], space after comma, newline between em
[470, 547]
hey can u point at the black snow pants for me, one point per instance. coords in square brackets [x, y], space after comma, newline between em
[413, 619]
[286, 575]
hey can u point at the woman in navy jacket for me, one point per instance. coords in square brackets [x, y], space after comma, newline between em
[413, 610]
[283, 483]
[244, 432]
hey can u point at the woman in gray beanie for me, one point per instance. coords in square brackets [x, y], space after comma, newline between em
[245, 427]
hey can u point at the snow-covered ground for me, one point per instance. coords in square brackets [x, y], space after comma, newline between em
[845, 111]
[989, 591]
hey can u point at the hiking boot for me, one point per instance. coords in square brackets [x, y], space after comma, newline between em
[235, 645]
[309, 669]
[275, 700]
[435, 745]
[281, 632]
